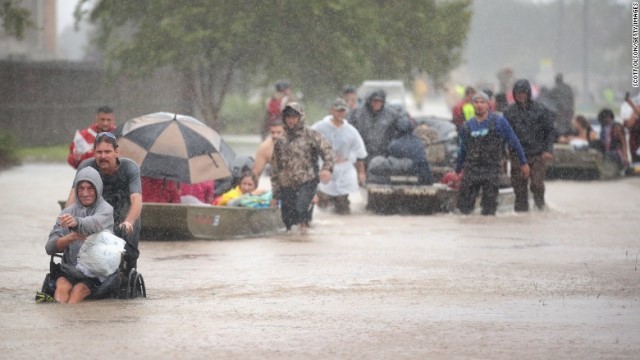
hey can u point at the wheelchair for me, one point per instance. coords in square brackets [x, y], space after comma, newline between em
[125, 283]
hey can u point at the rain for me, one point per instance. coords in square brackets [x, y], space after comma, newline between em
[562, 282]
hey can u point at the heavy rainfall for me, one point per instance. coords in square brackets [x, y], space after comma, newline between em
[200, 95]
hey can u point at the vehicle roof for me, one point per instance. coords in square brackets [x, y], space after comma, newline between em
[383, 83]
[394, 89]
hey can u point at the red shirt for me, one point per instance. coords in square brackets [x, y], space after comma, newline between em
[450, 178]
[159, 190]
[274, 111]
[89, 135]
[202, 191]
[458, 116]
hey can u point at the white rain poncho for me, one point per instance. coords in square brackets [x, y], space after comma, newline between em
[347, 147]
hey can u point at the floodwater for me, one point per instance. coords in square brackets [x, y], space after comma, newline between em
[563, 283]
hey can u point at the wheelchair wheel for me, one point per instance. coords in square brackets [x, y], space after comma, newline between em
[48, 286]
[135, 285]
[119, 287]
[138, 289]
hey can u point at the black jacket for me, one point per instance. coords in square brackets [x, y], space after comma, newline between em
[377, 129]
[532, 123]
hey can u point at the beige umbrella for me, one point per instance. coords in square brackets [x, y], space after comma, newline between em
[175, 147]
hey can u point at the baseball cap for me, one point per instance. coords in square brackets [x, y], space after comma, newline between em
[480, 95]
[339, 104]
[281, 85]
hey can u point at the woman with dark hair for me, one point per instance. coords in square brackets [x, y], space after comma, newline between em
[247, 185]
[612, 137]
[584, 133]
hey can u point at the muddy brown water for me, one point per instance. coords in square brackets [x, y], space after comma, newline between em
[563, 283]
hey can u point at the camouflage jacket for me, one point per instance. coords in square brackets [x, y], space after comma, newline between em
[295, 159]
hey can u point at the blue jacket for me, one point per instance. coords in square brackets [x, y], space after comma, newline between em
[478, 128]
[409, 146]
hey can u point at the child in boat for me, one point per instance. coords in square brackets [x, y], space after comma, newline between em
[246, 187]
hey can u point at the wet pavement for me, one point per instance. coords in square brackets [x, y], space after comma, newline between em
[563, 283]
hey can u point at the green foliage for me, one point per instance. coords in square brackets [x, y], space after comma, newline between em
[8, 147]
[15, 19]
[319, 45]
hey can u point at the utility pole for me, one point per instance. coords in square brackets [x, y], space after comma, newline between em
[559, 61]
[585, 51]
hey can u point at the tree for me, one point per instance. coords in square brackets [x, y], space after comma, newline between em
[319, 45]
[15, 19]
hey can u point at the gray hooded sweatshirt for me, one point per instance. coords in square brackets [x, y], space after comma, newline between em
[91, 219]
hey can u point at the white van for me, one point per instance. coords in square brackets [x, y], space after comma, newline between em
[394, 89]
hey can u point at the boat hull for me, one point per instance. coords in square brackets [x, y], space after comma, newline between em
[424, 199]
[182, 221]
[580, 164]
[187, 221]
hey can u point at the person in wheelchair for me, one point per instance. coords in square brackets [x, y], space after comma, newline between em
[90, 214]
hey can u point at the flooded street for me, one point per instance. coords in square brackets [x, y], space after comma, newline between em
[564, 283]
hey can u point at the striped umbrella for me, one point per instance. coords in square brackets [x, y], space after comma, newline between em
[175, 147]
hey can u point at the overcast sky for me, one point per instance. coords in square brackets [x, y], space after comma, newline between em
[64, 15]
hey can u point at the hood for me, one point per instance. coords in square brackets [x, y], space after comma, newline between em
[297, 107]
[522, 85]
[376, 94]
[91, 175]
[404, 126]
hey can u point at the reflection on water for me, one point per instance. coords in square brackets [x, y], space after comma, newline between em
[565, 279]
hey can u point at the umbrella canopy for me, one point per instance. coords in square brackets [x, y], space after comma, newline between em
[175, 147]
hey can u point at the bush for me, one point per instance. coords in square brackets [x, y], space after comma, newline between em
[8, 146]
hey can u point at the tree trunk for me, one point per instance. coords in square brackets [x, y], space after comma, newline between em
[185, 103]
[209, 86]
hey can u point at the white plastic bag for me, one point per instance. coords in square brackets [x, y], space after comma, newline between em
[100, 255]
[191, 200]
